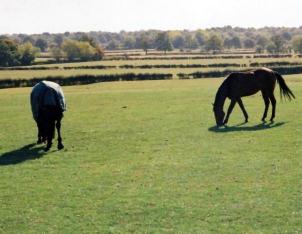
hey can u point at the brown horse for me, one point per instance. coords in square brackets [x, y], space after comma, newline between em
[241, 84]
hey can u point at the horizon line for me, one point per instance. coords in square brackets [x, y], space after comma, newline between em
[150, 29]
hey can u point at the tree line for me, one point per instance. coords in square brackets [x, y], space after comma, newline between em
[13, 53]
[88, 46]
[275, 39]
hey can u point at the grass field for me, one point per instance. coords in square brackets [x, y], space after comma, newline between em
[175, 61]
[144, 157]
[28, 74]
[76, 72]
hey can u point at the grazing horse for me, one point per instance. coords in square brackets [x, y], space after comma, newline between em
[241, 84]
[47, 105]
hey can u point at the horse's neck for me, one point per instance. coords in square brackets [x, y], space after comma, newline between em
[220, 96]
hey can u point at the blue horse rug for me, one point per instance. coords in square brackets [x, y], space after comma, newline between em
[46, 93]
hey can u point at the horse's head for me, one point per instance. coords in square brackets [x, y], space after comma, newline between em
[219, 115]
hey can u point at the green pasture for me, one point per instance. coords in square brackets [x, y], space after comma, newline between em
[175, 61]
[28, 74]
[145, 157]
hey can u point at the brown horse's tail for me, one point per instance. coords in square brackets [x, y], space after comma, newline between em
[285, 92]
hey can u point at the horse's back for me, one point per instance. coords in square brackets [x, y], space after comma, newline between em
[46, 93]
[242, 84]
[248, 83]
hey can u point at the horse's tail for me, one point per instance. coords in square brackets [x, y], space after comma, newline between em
[285, 92]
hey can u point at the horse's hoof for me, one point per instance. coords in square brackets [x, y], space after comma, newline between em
[60, 146]
[39, 142]
[46, 149]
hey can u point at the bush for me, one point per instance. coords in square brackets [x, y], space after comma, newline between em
[27, 53]
[83, 79]
[274, 64]
[9, 53]
[81, 50]
[214, 74]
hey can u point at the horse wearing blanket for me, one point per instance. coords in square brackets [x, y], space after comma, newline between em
[47, 105]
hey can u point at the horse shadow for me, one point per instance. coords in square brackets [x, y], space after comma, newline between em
[241, 127]
[27, 152]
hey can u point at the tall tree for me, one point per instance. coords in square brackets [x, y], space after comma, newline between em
[143, 42]
[227, 43]
[42, 44]
[249, 43]
[179, 42]
[113, 45]
[80, 50]
[58, 39]
[214, 43]
[9, 54]
[297, 44]
[191, 42]
[262, 42]
[236, 42]
[28, 53]
[163, 42]
[89, 39]
[56, 52]
[271, 48]
[129, 43]
[278, 42]
[200, 37]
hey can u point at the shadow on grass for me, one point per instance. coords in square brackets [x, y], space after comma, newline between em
[241, 127]
[27, 152]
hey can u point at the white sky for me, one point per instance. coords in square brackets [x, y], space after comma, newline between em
[37, 16]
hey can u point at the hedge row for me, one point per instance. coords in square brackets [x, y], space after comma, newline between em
[128, 66]
[176, 57]
[273, 56]
[147, 66]
[274, 64]
[160, 57]
[83, 79]
[209, 74]
[288, 70]
[28, 68]
[56, 67]
[90, 67]
[212, 74]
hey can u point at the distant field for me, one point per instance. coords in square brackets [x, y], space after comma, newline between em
[65, 73]
[144, 157]
[176, 61]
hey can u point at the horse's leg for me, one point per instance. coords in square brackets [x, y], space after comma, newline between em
[273, 101]
[50, 135]
[266, 102]
[49, 143]
[58, 126]
[231, 107]
[243, 109]
[39, 134]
